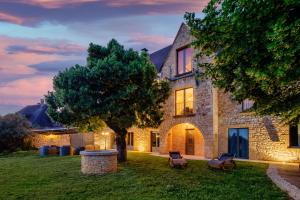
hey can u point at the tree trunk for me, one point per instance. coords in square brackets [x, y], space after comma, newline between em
[121, 146]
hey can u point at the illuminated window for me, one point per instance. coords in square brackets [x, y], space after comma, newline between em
[130, 138]
[184, 60]
[295, 135]
[184, 101]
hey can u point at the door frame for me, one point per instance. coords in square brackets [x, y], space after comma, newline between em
[153, 132]
[186, 140]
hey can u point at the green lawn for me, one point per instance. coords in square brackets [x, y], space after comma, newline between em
[27, 176]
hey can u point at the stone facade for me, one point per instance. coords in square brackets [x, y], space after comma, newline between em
[268, 137]
[214, 114]
[202, 119]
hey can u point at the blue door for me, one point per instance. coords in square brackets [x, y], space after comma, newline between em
[238, 142]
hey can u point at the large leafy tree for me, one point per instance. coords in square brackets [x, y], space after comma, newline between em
[118, 86]
[256, 51]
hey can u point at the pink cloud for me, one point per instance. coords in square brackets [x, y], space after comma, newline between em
[16, 61]
[52, 4]
[192, 5]
[25, 91]
[154, 40]
[10, 18]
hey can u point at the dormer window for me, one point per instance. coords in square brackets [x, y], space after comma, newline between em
[184, 60]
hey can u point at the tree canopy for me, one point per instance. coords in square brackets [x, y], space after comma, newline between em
[118, 86]
[256, 51]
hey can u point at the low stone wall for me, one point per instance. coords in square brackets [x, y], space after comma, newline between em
[39, 140]
[98, 162]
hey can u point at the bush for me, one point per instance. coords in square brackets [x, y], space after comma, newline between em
[13, 132]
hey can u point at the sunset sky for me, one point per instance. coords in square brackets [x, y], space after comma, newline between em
[40, 37]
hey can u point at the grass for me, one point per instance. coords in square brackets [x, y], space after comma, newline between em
[27, 176]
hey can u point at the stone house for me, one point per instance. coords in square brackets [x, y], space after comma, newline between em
[203, 121]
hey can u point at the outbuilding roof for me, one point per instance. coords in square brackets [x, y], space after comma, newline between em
[37, 115]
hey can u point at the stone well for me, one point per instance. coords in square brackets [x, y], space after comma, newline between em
[98, 162]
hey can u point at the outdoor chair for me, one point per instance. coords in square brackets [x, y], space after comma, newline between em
[176, 160]
[224, 162]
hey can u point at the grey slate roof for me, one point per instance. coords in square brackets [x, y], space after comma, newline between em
[158, 57]
[37, 115]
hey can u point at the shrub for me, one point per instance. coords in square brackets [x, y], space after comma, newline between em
[13, 132]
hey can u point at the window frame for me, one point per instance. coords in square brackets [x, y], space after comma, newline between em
[130, 139]
[184, 60]
[238, 141]
[157, 139]
[291, 144]
[246, 103]
[184, 102]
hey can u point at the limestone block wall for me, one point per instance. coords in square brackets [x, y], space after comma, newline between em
[268, 137]
[141, 139]
[39, 140]
[82, 139]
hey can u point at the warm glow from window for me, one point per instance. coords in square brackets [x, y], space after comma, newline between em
[184, 60]
[184, 102]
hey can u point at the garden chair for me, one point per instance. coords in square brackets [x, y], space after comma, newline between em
[176, 160]
[224, 162]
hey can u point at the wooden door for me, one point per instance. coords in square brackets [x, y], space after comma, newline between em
[190, 142]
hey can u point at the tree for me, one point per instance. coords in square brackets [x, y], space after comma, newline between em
[119, 86]
[256, 51]
[13, 131]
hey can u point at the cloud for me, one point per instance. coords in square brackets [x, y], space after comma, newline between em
[151, 42]
[55, 66]
[25, 91]
[17, 55]
[10, 18]
[47, 49]
[33, 12]
[52, 4]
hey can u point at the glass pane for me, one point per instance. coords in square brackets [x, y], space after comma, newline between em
[188, 59]
[180, 61]
[180, 102]
[294, 136]
[189, 98]
[131, 143]
[153, 139]
[232, 141]
[157, 140]
[243, 143]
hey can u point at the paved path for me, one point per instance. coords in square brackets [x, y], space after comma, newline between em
[287, 178]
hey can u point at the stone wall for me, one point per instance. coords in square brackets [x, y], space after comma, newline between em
[75, 140]
[141, 139]
[268, 137]
[39, 140]
[203, 117]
